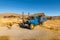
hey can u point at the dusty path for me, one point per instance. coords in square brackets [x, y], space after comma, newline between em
[38, 33]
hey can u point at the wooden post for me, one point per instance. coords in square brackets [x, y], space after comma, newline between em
[23, 16]
[28, 15]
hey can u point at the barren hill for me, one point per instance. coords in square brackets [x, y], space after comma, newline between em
[9, 14]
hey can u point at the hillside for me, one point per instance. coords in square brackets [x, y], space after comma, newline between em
[10, 30]
[9, 14]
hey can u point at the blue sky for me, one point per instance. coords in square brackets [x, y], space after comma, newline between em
[49, 7]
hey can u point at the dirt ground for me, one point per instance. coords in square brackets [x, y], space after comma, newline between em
[45, 32]
[38, 33]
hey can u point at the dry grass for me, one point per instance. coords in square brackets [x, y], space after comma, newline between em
[36, 34]
[52, 24]
[4, 38]
[9, 21]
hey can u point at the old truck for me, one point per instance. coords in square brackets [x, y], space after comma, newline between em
[32, 22]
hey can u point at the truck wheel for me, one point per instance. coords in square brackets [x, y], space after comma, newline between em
[21, 25]
[32, 26]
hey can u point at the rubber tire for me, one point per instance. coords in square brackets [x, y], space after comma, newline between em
[32, 26]
[22, 25]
